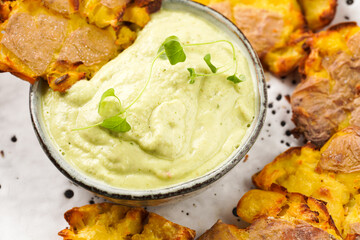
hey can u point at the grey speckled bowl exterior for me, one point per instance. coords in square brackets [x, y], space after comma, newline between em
[158, 196]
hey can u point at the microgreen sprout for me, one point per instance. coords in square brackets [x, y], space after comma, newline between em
[207, 59]
[193, 75]
[115, 123]
[173, 50]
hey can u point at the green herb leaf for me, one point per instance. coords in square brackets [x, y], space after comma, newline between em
[102, 105]
[173, 49]
[116, 124]
[193, 75]
[207, 59]
[163, 55]
[235, 79]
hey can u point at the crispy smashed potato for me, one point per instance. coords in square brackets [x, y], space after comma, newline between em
[330, 174]
[267, 228]
[115, 222]
[64, 41]
[276, 29]
[278, 215]
[286, 206]
[327, 99]
[318, 13]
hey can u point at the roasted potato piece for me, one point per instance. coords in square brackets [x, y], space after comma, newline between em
[257, 203]
[318, 13]
[64, 41]
[286, 206]
[110, 221]
[329, 174]
[276, 30]
[277, 215]
[222, 231]
[267, 228]
[327, 99]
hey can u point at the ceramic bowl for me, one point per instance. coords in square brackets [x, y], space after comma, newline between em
[158, 196]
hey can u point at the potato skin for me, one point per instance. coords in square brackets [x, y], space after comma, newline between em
[112, 221]
[327, 99]
[275, 229]
[342, 152]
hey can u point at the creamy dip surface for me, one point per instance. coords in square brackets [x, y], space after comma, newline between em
[179, 131]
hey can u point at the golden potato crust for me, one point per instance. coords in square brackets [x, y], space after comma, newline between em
[330, 174]
[63, 41]
[327, 99]
[291, 207]
[277, 215]
[106, 221]
[276, 29]
[318, 13]
[267, 228]
[222, 231]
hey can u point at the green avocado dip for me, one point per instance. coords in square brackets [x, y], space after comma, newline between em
[179, 131]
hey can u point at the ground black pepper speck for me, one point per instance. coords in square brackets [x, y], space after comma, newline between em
[13, 138]
[69, 193]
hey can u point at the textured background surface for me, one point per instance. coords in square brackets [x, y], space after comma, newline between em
[34, 195]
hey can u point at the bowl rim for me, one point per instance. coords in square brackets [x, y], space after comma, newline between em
[179, 189]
